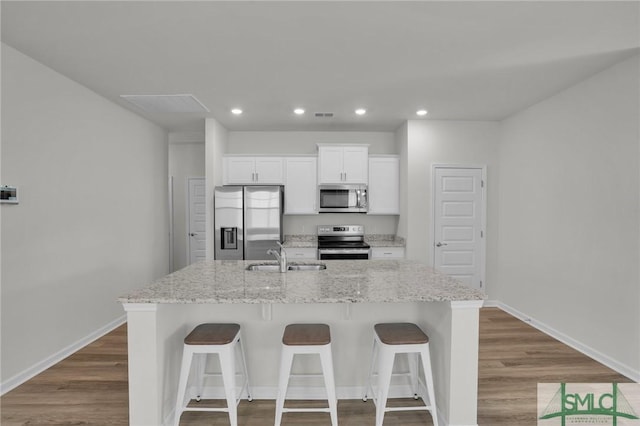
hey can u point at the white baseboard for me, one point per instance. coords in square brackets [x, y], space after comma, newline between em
[38, 368]
[621, 368]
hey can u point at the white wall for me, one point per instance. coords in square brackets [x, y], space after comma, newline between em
[569, 213]
[92, 223]
[186, 160]
[304, 143]
[427, 142]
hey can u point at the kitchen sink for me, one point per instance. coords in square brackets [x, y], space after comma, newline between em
[307, 267]
[262, 267]
[271, 267]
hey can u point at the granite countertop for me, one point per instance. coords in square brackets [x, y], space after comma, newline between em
[344, 281]
[374, 240]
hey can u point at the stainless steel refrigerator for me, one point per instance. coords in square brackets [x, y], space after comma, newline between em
[247, 221]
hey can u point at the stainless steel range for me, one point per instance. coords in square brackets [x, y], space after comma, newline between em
[342, 242]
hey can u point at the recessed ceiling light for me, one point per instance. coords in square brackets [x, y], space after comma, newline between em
[421, 112]
[236, 111]
[298, 111]
[361, 111]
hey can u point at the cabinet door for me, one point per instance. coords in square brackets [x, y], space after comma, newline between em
[300, 188]
[269, 170]
[239, 170]
[384, 185]
[355, 164]
[330, 162]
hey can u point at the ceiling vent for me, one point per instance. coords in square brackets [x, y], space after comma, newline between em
[324, 114]
[166, 103]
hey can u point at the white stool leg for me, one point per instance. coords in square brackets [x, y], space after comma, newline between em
[185, 369]
[244, 370]
[385, 368]
[329, 382]
[227, 365]
[368, 390]
[199, 363]
[286, 360]
[412, 359]
[426, 366]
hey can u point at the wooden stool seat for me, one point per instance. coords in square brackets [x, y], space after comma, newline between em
[212, 334]
[306, 335]
[401, 333]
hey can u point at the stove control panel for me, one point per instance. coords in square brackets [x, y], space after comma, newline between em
[340, 230]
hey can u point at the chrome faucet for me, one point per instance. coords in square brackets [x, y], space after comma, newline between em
[281, 256]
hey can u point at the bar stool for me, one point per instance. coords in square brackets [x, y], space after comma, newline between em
[390, 339]
[205, 339]
[306, 339]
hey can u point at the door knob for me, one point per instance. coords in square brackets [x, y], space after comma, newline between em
[193, 234]
[439, 244]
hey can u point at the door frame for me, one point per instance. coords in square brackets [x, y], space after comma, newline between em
[188, 214]
[483, 221]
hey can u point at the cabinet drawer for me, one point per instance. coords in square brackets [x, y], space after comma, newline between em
[301, 253]
[387, 252]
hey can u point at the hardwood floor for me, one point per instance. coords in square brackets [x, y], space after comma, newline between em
[90, 386]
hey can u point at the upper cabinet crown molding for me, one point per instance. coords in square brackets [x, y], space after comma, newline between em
[343, 164]
[253, 170]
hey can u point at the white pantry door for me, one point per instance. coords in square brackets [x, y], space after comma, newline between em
[196, 235]
[459, 223]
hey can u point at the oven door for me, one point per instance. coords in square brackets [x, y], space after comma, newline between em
[343, 254]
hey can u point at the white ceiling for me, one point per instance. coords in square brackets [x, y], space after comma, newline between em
[471, 60]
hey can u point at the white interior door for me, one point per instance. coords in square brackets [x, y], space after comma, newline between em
[196, 236]
[459, 224]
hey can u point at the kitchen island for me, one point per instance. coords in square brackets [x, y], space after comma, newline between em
[350, 296]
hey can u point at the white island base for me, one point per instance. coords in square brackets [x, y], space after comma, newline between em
[156, 332]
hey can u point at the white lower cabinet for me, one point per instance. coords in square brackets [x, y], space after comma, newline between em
[297, 253]
[387, 252]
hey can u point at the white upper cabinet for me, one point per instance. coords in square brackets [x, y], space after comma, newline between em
[300, 187]
[269, 170]
[384, 185]
[338, 164]
[241, 170]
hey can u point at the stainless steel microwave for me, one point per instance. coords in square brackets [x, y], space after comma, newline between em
[342, 199]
